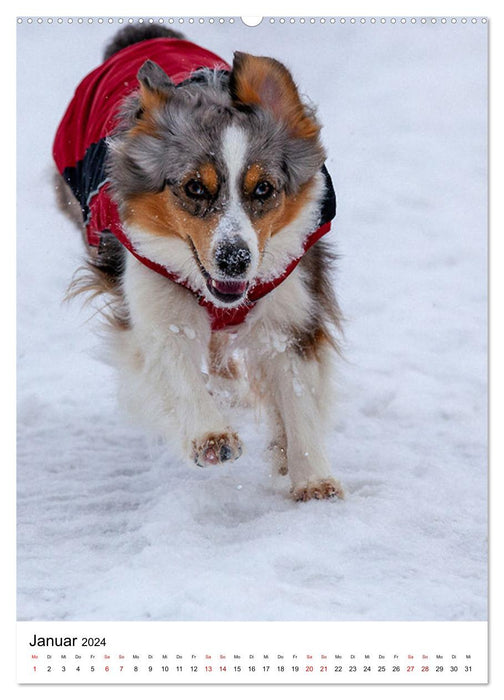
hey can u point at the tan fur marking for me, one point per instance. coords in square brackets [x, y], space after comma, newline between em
[151, 101]
[282, 215]
[154, 212]
[309, 344]
[208, 176]
[265, 81]
[254, 175]
[160, 214]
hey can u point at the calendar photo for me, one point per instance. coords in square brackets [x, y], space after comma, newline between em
[252, 325]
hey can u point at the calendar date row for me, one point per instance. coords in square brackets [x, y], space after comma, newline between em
[306, 668]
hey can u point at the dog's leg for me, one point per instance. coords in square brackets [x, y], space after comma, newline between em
[168, 337]
[227, 377]
[220, 364]
[277, 447]
[298, 386]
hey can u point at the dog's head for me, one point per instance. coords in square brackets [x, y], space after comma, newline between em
[221, 163]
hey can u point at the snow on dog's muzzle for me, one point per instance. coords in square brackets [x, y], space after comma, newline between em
[233, 257]
[232, 260]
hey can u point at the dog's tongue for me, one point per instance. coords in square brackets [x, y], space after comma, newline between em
[237, 288]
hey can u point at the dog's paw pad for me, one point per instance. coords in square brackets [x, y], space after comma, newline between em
[225, 453]
[321, 489]
[216, 449]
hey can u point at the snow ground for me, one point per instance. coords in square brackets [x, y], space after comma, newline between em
[112, 528]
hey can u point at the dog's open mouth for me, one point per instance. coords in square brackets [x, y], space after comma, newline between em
[227, 291]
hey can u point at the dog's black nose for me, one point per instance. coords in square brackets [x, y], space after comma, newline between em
[233, 257]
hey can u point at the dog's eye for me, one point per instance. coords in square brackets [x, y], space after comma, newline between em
[263, 190]
[195, 189]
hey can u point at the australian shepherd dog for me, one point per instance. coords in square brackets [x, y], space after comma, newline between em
[203, 198]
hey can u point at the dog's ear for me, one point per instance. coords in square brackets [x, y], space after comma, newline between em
[155, 85]
[257, 80]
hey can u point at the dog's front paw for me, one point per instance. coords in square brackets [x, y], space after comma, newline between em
[216, 448]
[318, 489]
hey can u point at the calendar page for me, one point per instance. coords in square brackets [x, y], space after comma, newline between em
[252, 349]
